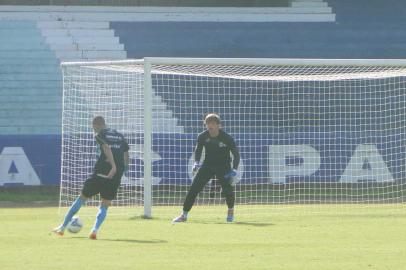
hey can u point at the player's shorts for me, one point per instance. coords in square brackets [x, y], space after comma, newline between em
[106, 187]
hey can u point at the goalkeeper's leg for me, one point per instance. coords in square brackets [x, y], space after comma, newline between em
[202, 177]
[227, 191]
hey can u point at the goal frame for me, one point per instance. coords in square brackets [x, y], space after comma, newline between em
[150, 61]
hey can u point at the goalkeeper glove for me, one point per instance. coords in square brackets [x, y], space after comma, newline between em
[196, 167]
[231, 177]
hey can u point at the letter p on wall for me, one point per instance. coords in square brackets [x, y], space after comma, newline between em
[279, 166]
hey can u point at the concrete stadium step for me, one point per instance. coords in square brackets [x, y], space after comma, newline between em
[33, 98]
[89, 13]
[73, 25]
[90, 55]
[16, 45]
[56, 84]
[308, 4]
[34, 39]
[78, 32]
[30, 77]
[87, 47]
[17, 24]
[89, 40]
[38, 54]
[52, 70]
[30, 91]
[43, 129]
[15, 33]
[46, 61]
[22, 112]
[32, 106]
[163, 114]
[50, 121]
[287, 15]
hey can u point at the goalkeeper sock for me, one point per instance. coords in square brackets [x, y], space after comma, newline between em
[72, 211]
[101, 215]
[185, 213]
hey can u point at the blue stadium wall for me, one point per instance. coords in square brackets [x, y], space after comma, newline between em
[364, 29]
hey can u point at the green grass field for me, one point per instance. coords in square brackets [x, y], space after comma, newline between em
[372, 237]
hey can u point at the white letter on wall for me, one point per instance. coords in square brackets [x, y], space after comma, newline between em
[279, 170]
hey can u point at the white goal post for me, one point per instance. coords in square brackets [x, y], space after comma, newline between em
[310, 131]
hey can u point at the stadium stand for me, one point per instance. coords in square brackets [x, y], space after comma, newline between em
[42, 36]
[30, 81]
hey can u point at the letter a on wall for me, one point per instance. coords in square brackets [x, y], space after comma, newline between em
[366, 154]
[15, 168]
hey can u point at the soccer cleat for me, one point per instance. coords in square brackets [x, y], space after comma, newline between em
[230, 215]
[93, 236]
[58, 231]
[181, 218]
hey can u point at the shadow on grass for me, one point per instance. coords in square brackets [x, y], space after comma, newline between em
[153, 241]
[239, 223]
[255, 224]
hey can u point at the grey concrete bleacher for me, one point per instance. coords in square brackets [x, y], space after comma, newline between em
[37, 38]
[30, 81]
[297, 11]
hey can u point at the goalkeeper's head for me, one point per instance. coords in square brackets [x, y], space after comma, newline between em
[213, 118]
[212, 122]
[98, 123]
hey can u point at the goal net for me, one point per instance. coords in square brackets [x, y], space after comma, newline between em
[309, 131]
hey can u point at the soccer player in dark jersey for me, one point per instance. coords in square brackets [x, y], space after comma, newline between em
[217, 162]
[106, 177]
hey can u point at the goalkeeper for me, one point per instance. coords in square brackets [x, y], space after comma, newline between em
[106, 177]
[217, 162]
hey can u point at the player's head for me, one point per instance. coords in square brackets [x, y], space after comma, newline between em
[98, 123]
[212, 122]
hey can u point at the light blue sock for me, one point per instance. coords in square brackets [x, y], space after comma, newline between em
[185, 213]
[101, 215]
[72, 211]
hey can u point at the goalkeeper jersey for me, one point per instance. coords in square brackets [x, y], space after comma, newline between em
[217, 150]
[118, 146]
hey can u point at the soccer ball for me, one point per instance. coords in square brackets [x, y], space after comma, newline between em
[75, 225]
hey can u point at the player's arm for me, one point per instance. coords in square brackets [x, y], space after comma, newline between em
[198, 151]
[110, 159]
[198, 155]
[126, 161]
[126, 154]
[231, 175]
[236, 159]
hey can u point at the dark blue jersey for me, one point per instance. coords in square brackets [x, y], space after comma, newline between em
[217, 150]
[118, 146]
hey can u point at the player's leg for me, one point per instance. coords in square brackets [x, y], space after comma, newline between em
[100, 217]
[199, 181]
[227, 191]
[90, 188]
[108, 193]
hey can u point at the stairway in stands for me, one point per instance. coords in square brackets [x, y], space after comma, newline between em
[81, 40]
